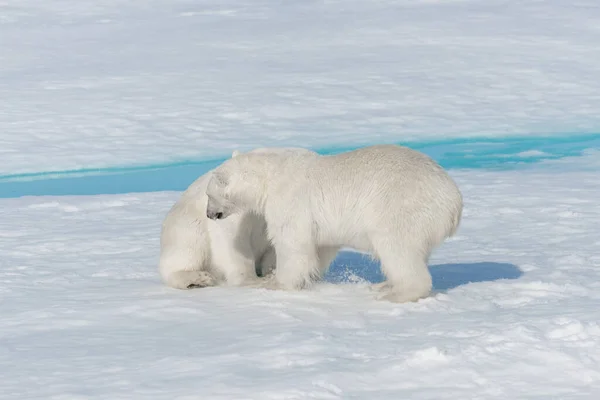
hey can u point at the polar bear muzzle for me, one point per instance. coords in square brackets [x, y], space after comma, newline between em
[214, 214]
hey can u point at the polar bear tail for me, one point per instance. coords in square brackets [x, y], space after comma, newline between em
[456, 222]
[456, 215]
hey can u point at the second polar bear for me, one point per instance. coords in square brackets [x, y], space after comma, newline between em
[197, 252]
[393, 202]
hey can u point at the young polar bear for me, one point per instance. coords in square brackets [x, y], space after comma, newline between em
[393, 202]
[197, 252]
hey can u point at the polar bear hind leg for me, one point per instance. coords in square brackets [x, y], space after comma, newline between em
[408, 278]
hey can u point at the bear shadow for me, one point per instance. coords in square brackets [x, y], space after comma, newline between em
[352, 267]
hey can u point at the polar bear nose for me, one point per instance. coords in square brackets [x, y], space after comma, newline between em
[214, 215]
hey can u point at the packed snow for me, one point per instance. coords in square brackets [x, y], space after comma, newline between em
[95, 83]
[515, 312]
[97, 96]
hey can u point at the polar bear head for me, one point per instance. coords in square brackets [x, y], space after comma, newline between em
[237, 185]
[240, 183]
[219, 205]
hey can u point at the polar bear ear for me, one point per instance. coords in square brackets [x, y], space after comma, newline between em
[235, 153]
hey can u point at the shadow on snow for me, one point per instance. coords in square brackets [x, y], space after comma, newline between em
[356, 267]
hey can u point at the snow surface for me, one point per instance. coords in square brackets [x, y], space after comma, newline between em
[96, 83]
[105, 86]
[515, 314]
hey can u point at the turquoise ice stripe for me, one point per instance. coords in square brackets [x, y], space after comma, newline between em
[81, 172]
[128, 180]
[447, 152]
[474, 153]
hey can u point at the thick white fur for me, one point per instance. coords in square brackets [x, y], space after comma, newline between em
[390, 201]
[197, 252]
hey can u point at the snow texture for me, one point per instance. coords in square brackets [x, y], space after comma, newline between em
[106, 97]
[515, 313]
[113, 82]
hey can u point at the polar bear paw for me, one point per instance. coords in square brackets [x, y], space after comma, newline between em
[380, 287]
[190, 279]
[396, 296]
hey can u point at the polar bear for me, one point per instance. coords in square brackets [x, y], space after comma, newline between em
[391, 201]
[197, 252]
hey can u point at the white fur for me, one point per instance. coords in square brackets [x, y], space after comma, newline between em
[197, 252]
[390, 201]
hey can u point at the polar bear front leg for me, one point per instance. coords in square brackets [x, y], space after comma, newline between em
[297, 266]
[236, 262]
[267, 263]
[241, 270]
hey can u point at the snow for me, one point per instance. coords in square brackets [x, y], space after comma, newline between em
[126, 101]
[514, 315]
[100, 83]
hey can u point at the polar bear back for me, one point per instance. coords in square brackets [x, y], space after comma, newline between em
[383, 174]
[380, 188]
